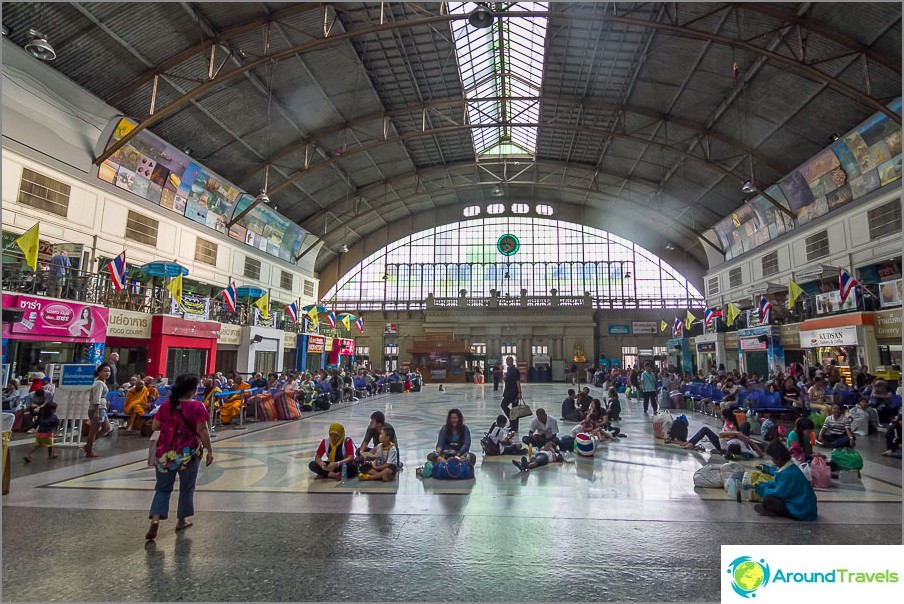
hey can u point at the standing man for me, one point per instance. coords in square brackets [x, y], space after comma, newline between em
[59, 266]
[497, 377]
[648, 386]
[112, 382]
[511, 393]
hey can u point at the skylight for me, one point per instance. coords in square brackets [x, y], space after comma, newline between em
[504, 65]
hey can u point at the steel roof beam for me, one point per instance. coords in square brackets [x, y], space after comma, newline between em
[321, 43]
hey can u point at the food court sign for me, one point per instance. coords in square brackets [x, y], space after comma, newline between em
[833, 336]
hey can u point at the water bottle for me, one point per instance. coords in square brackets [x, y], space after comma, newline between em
[746, 487]
[530, 449]
[344, 472]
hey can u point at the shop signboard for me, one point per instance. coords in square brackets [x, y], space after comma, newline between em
[706, 347]
[890, 293]
[77, 376]
[344, 346]
[289, 342]
[789, 335]
[174, 326]
[60, 320]
[832, 336]
[391, 329]
[619, 330]
[230, 334]
[644, 327]
[128, 324]
[830, 302]
[645, 352]
[752, 344]
[316, 344]
[888, 325]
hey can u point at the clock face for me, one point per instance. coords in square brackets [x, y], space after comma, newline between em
[508, 245]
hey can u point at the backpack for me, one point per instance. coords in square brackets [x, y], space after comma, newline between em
[678, 431]
[822, 476]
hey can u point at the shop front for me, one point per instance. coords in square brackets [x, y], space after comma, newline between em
[442, 361]
[731, 350]
[228, 348]
[290, 343]
[260, 350]
[710, 351]
[790, 339]
[888, 340]
[681, 354]
[309, 352]
[760, 350]
[128, 334]
[342, 353]
[181, 346]
[48, 331]
[838, 344]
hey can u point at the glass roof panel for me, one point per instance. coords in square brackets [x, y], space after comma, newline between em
[505, 60]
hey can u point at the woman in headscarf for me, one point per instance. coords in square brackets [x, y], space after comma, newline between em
[337, 449]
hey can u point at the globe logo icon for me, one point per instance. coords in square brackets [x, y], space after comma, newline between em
[748, 575]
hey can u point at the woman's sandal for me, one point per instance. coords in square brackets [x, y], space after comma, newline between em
[152, 531]
[181, 525]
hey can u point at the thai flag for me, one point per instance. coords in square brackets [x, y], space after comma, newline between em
[677, 326]
[229, 296]
[360, 324]
[332, 319]
[709, 315]
[117, 268]
[765, 310]
[292, 309]
[846, 284]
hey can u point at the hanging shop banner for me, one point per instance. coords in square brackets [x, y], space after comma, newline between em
[749, 344]
[316, 344]
[60, 320]
[890, 293]
[833, 336]
[619, 330]
[645, 327]
[830, 302]
[230, 334]
[128, 324]
[706, 347]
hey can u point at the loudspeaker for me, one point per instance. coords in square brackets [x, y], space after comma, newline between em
[257, 339]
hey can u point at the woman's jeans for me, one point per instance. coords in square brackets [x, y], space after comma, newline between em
[712, 436]
[164, 488]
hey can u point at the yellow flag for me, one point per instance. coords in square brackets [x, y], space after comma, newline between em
[663, 325]
[733, 312]
[263, 304]
[688, 319]
[313, 315]
[28, 243]
[794, 291]
[346, 323]
[175, 290]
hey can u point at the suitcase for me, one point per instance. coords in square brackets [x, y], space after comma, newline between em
[396, 387]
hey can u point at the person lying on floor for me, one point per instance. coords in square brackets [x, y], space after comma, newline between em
[544, 456]
[385, 455]
[730, 443]
[790, 495]
[338, 450]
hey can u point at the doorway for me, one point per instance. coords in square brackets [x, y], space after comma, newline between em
[758, 363]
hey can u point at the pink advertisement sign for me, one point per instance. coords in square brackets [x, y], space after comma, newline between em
[58, 320]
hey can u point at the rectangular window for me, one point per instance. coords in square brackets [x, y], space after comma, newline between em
[539, 350]
[43, 192]
[206, 251]
[817, 245]
[478, 348]
[362, 351]
[735, 279]
[285, 280]
[885, 220]
[392, 350]
[712, 285]
[770, 264]
[252, 269]
[509, 349]
[308, 288]
[140, 228]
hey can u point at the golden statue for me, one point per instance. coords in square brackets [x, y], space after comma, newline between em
[579, 353]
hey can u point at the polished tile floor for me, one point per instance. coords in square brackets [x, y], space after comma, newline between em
[625, 525]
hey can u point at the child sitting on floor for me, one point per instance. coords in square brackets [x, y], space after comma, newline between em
[386, 458]
[546, 455]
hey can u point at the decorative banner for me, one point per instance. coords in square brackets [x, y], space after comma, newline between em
[62, 321]
[644, 327]
[833, 336]
[260, 321]
[890, 293]
[193, 307]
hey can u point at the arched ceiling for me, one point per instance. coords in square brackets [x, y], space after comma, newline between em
[358, 115]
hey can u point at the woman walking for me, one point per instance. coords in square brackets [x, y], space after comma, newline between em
[97, 408]
[182, 422]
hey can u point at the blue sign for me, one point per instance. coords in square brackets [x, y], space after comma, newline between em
[621, 330]
[77, 375]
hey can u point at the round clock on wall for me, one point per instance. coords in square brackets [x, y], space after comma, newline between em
[508, 245]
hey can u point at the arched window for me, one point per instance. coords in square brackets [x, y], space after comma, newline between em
[569, 257]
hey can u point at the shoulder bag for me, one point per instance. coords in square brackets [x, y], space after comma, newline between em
[519, 410]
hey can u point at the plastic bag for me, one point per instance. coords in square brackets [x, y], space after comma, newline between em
[662, 422]
[847, 459]
[822, 476]
[708, 476]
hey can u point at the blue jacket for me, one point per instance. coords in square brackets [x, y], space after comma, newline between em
[462, 444]
[792, 487]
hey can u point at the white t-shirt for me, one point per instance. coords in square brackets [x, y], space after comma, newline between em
[497, 435]
[859, 421]
[745, 449]
[549, 429]
[390, 457]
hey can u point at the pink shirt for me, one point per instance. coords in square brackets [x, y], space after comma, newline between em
[176, 433]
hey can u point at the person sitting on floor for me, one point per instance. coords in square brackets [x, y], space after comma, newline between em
[498, 442]
[893, 438]
[544, 456]
[613, 413]
[836, 431]
[864, 419]
[570, 411]
[386, 458]
[233, 404]
[339, 450]
[790, 494]
[801, 436]
[454, 440]
[543, 429]
[136, 403]
[372, 434]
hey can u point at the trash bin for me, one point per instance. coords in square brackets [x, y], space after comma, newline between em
[8, 420]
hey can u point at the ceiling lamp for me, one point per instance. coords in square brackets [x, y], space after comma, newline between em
[39, 47]
[481, 17]
[263, 198]
[669, 246]
[748, 187]
[497, 191]
[343, 249]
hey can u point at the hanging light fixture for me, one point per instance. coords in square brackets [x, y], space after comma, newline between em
[343, 249]
[481, 17]
[497, 191]
[748, 187]
[39, 47]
